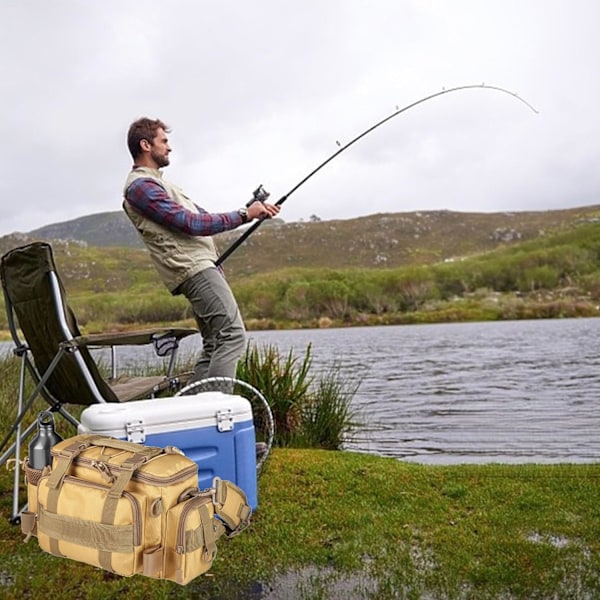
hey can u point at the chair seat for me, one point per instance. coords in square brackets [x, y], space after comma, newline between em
[138, 388]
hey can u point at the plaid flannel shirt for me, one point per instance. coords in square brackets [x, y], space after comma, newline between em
[152, 201]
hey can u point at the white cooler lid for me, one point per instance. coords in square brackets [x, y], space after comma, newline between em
[165, 414]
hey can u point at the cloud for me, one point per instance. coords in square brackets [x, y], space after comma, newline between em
[261, 92]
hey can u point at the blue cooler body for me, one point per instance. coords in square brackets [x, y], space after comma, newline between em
[214, 429]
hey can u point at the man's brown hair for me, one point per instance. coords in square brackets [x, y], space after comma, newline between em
[143, 129]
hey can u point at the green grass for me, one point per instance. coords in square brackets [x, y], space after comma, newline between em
[348, 525]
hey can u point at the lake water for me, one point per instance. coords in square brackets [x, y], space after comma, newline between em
[510, 392]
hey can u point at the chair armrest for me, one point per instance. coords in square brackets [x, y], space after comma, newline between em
[132, 338]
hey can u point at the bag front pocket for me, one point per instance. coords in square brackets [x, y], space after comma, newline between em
[74, 528]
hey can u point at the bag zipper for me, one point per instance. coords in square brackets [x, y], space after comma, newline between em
[192, 504]
[158, 480]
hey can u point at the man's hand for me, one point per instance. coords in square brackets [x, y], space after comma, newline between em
[262, 210]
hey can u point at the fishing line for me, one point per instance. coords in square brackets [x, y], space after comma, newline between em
[258, 194]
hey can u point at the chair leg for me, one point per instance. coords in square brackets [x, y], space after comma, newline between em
[16, 447]
[15, 517]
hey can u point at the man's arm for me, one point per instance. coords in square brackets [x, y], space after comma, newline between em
[152, 201]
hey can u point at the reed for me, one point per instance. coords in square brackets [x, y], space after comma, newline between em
[327, 415]
[309, 410]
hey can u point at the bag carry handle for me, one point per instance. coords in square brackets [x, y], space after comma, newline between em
[147, 452]
[64, 457]
[127, 469]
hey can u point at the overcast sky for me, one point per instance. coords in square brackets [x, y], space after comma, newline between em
[261, 93]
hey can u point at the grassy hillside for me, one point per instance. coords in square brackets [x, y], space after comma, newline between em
[405, 267]
[376, 241]
[394, 240]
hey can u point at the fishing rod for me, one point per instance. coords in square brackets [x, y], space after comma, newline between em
[260, 195]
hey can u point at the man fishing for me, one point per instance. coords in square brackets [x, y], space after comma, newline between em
[177, 234]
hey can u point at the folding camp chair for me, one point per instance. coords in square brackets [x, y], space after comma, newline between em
[58, 358]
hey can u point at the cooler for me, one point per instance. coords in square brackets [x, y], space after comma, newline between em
[214, 429]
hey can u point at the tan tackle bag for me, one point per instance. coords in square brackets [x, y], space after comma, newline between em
[130, 509]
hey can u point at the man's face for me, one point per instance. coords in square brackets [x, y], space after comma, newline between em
[160, 149]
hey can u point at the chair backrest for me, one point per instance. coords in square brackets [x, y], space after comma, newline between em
[35, 299]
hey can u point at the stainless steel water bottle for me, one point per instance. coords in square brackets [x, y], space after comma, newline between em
[41, 445]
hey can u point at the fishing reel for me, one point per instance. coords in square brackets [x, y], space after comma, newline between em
[258, 195]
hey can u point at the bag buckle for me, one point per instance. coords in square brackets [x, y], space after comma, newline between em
[104, 470]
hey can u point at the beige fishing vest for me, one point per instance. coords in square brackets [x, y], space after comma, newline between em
[176, 256]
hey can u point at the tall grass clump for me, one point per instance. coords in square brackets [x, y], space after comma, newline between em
[10, 369]
[10, 374]
[309, 411]
[327, 415]
[284, 382]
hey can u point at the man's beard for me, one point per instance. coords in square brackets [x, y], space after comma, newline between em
[160, 160]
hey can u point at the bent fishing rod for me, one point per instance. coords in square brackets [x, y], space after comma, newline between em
[260, 195]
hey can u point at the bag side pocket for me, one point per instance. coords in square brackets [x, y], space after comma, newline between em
[29, 516]
[190, 541]
[32, 478]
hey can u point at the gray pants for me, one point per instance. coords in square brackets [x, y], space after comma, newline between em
[219, 321]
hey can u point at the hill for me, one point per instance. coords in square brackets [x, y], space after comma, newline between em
[387, 268]
[106, 229]
[375, 241]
